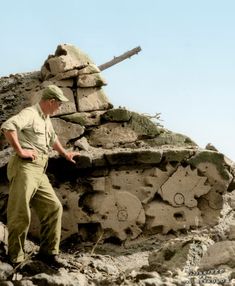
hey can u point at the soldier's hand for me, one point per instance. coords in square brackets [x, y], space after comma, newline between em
[28, 154]
[70, 155]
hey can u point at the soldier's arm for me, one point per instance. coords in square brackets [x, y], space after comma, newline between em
[12, 138]
[60, 149]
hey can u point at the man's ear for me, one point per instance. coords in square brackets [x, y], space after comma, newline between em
[52, 100]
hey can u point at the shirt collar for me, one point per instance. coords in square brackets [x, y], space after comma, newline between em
[38, 108]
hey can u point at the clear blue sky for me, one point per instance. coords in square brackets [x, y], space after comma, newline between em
[186, 70]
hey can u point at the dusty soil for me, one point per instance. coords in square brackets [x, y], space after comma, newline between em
[88, 263]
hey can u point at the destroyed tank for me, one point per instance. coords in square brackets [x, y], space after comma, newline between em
[133, 178]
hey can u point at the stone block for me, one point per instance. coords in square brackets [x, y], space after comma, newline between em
[210, 214]
[92, 118]
[220, 253]
[212, 164]
[143, 126]
[176, 254]
[66, 58]
[173, 139]
[75, 55]
[117, 115]
[58, 65]
[71, 74]
[177, 154]
[89, 69]
[16, 92]
[62, 83]
[90, 99]
[111, 133]
[91, 80]
[131, 157]
[63, 64]
[82, 143]
[66, 130]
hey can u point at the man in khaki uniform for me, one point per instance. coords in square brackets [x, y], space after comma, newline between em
[31, 135]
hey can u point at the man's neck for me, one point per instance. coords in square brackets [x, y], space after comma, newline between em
[44, 107]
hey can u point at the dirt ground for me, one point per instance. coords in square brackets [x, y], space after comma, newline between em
[88, 263]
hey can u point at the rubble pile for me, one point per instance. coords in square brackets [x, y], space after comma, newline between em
[134, 179]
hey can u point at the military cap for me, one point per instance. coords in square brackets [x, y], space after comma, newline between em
[53, 92]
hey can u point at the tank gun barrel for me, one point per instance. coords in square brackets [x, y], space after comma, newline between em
[120, 58]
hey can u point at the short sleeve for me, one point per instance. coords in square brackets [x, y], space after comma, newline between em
[19, 121]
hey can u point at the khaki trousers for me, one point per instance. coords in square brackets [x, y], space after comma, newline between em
[29, 186]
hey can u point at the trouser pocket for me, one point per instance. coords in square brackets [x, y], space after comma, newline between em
[12, 167]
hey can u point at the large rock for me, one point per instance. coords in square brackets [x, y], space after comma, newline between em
[122, 127]
[111, 133]
[219, 254]
[92, 118]
[89, 69]
[178, 254]
[16, 92]
[67, 57]
[117, 115]
[90, 99]
[91, 80]
[171, 138]
[61, 278]
[66, 131]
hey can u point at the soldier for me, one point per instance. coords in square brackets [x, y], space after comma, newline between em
[31, 135]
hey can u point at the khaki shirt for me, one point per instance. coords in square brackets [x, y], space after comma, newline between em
[34, 129]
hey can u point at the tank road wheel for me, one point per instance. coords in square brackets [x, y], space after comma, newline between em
[118, 212]
[183, 187]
